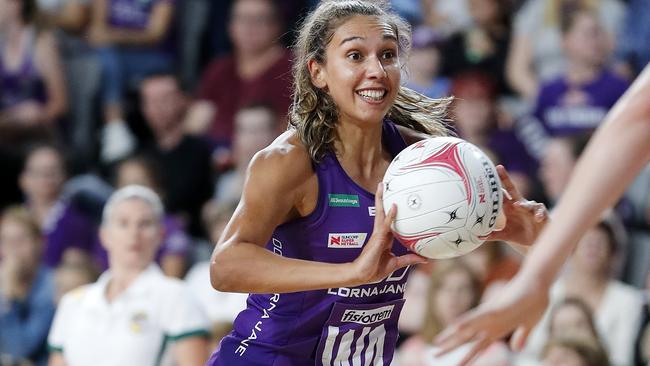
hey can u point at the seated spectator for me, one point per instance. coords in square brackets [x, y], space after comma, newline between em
[32, 86]
[132, 39]
[483, 46]
[71, 16]
[447, 17]
[454, 289]
[493, 265]
[220, 307]
[572, 316]
[477, 120]
[187, 175]
[176, 244]
[577, 101]
[258, 69]
[571, 350]
[617, 307]
[535, 53]
[132, 309]
[26, 290]
[255, 128]
[68, 232]
[560, 157]
[423, 65]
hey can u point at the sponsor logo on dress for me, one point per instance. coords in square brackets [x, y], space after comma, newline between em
[343, 200]
[346, 240]
[367, 317]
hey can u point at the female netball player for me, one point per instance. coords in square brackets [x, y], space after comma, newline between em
[619, 149]
[327, 284]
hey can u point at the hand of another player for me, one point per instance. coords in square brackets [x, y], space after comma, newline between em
[519, 306]
[524, 219]
[377, 260]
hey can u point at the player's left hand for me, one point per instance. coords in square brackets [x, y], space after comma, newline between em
[524, 219]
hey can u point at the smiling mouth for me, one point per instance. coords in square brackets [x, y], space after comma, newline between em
[372, 95]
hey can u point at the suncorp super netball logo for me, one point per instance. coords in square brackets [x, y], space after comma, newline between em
[346, 240]
[366, 317]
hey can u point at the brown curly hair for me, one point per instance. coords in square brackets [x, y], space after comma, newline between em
[314, 114]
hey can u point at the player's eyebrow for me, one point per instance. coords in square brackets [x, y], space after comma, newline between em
[354, 38]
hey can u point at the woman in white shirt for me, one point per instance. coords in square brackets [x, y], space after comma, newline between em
[133, 315]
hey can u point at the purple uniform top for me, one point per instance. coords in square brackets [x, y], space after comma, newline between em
[355, 326]
[566, 110]
[23, 83]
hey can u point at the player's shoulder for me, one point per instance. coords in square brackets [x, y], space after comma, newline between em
[285, 160]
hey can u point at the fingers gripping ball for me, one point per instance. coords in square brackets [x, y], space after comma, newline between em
[448, 195]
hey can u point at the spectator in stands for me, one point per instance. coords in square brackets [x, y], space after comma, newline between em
[132, 39]
[572, 315]
[454, 289]
[220, 307]
[477, 120]
[255, 128]
[571, 350]
[577, 101]
[70, 16]
[424, 62]
[560, 157]
[26, 289]
[258, 69]
[68, 232]
[536, 53]
[494, 265]
[32, 86]
[447, 17]
[187, 175]
[616, 306]
[130, 314]
[483, 46]
[176, 244]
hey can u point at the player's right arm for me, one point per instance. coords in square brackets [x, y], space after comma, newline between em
[279, 187]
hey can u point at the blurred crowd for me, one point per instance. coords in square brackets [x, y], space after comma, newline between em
[178, 95]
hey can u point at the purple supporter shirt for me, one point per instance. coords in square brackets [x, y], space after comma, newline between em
[135, 15]
[565, 110]
[334, 326]
[64, 228]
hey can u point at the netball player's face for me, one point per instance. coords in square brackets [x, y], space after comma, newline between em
[362, 70]
[131, 234]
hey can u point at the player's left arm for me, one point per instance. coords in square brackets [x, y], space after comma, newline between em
[521, 221]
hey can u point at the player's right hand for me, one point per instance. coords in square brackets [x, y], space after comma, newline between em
[377, 261]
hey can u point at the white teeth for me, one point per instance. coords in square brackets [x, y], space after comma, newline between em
[372, 94]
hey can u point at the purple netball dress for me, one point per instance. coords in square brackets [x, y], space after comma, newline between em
[347, 326]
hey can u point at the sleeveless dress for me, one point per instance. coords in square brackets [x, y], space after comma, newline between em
[337, 326]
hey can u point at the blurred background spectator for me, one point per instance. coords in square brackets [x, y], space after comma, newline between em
[535, 54]
[26, 289]
[258, 68]
[32, 86]
[187, 175]
[617, 307]
[422, 72]
[453, 289]
[69, 234]
[132, 307]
